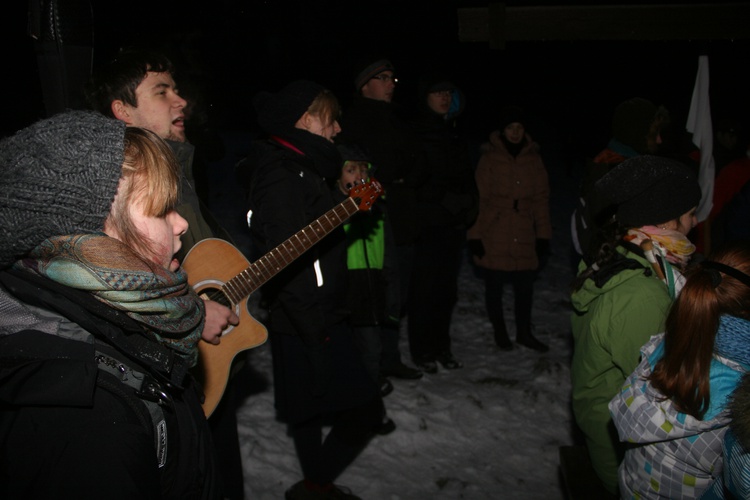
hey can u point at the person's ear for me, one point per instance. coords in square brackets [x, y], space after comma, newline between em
[121, 111]
[304, 122]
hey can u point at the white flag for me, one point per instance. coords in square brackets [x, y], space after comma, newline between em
[699, 124]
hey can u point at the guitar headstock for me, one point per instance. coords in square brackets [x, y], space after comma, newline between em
[365, 194]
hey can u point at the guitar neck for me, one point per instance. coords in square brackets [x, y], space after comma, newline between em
[268, 266]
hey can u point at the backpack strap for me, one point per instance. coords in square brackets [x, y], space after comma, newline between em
[149, 393]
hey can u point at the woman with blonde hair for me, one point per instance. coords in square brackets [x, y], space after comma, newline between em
[319, 376]
[99, 325]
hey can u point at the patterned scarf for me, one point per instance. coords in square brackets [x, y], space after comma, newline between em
[672, 245]
[161, 301]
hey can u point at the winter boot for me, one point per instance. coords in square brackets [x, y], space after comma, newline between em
[524, 337]
[501, 334]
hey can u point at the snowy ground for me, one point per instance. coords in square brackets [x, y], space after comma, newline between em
[489, 430]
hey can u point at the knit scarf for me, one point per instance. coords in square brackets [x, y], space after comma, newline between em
[733, 339]
[161, 301]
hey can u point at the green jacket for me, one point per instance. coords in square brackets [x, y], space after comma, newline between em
[373, 289]
[610, 324]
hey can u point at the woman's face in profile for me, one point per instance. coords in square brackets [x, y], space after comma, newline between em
[687, 221]
[684, 223]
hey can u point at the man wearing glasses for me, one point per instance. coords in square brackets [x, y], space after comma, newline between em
[373, 122]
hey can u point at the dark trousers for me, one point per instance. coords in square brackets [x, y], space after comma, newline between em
[523, 295]
[323, 460]
[433, 291]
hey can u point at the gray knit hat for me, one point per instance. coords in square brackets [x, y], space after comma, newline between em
[57, 177]
[650, 190]
[370, 71]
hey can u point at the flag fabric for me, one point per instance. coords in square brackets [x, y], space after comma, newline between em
[699, 124]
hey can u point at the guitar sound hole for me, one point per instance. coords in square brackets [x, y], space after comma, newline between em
[216, 295]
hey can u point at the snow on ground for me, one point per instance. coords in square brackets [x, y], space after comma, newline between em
[489, 430]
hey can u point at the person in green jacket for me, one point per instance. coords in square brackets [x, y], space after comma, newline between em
[373, 299]
[622, 294]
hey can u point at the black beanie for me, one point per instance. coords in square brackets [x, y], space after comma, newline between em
[58, 177]
[363, 75]
[353, 152]
[511, 114]
[650, 190]
[277, 113]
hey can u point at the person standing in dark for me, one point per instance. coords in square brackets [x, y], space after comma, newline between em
[510, 239]
[319, 376]
[636, 130]
[100, 326]
[374, 123]
[138, 88]
[447, 204]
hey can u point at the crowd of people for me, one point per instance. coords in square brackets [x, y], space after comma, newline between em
[99, 335]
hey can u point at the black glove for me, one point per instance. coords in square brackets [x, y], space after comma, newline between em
[542, 251]
[476, 247]
[321, 363]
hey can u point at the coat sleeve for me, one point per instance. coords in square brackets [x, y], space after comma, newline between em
[483, 177]
[542, 224]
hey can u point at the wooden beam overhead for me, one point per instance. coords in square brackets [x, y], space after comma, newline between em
[499, 23]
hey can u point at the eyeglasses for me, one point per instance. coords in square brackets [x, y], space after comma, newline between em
[385, 78]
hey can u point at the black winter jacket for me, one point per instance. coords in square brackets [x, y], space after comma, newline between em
[286, 194]
[73, 423]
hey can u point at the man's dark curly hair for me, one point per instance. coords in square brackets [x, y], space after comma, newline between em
[118, 79]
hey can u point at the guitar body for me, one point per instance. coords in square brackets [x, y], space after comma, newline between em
[218, 271]
[209, 265]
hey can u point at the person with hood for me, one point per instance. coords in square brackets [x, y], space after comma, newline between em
[672, 410]
[636, 130]
[512, 232]
[319, 376]
[446, 205]
[621, 296]
[99, 326]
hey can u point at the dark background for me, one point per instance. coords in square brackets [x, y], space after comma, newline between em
[227, 50]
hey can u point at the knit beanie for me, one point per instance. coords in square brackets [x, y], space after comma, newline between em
[511, 114]
[57, 177]
[353, 152]
[632, 121]
[371, 70]
[441, 86]
[277, 113]
[650, 190]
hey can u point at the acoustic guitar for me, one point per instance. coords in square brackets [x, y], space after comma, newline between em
[218, 271]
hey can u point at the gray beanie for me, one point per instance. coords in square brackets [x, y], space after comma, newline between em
[57, 177]
[370, 71]
[650, 190]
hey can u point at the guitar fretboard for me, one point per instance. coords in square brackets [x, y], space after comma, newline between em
[268, 266]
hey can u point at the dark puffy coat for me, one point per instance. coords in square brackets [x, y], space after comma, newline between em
[447, 193]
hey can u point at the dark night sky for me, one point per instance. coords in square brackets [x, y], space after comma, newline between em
[230, 49]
